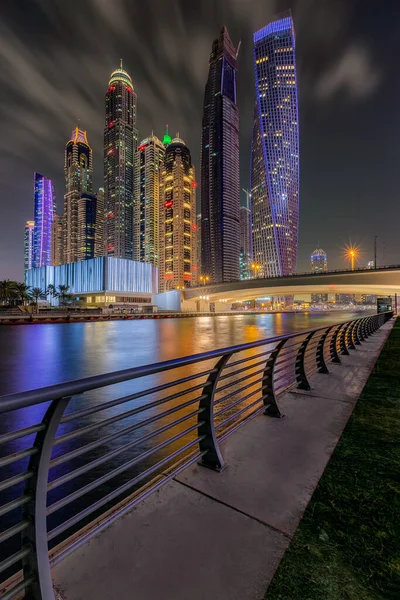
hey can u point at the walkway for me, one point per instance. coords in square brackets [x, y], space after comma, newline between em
[221, 536]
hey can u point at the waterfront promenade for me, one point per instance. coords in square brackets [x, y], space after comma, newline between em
[222, 535]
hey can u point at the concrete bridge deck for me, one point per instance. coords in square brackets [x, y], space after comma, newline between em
[222, 535]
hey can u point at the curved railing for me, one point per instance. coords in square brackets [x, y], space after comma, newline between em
[78, 455]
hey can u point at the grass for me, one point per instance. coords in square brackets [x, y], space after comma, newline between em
[347, 544]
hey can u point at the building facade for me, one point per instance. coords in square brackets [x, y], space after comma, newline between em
[245, 242]
[28, 244]
[149, 161]
[319, 264]
[198, 246]
[78, 172]
[44, 208]
[90, 226]
[275, 150]
[177, 219]
[219, 170]
[57, 241]
[120, 142]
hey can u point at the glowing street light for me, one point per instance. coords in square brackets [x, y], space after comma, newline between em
[352, 253]
[256, 268]
[204, 279]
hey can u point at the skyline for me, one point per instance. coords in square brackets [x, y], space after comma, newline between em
[341, 108]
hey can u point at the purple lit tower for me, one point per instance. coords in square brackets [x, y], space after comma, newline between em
[275, 150]
[44, 200]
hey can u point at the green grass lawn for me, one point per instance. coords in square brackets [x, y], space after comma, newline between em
[347, 546]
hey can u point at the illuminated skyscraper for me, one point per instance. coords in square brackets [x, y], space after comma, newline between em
[245, 242]
[275, 150]
[28, 244]
[177, 219]
[78, 171]
[57, 241]
[319, 264]
[220, 165]
[99, 237]
[120, 141]
[198, 245]
[44, 207]
[149, 160]
[90, 226]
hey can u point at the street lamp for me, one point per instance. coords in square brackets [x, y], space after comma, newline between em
[256, 267]
[204, 279]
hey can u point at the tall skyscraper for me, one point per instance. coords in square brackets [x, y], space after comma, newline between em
[319, 264]
[44, 207]
[245, 242]
[275, 150]
[78, 171]
[28, 244]
[177, 218]
[57, 241]
[120, 142]
[100, 233]
[198, 245]
[90, 226]
[149, 161]
[220, 165]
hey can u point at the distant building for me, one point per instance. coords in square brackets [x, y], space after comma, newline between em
[319, 264]
[28, 244]
[149, 161]
[371, 264]
[274, 169]
[219, 170]
[245, 242]
[100, 225]
[57, 241]
[90, 226]
[177, 218]
[78, 172]
[198, 245]
[44, 208]
[120, 142]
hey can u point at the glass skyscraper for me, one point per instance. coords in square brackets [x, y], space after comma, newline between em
[120, 141]
[44, 209]
[220, 165]
[319, 264]
[275, 150]
[28, 244]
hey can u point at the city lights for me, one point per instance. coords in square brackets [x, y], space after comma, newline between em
[352, 253]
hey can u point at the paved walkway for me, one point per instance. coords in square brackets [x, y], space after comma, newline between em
[221, 536]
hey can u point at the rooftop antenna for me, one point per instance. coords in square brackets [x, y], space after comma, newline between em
[120, 63]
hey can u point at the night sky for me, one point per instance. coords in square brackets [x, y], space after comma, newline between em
[56, 57]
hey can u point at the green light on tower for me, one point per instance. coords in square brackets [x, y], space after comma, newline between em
[167, 138]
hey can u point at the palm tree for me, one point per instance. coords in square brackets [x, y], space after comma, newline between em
[37, 294]
[6, 290]
[21, 292]
[62, 293]
[51, 291]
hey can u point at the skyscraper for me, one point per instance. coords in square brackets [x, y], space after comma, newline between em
[120, 141]
[245, 242]
[44, 207]
[57, 241]
[99, 237]
[198, 244]
[78, 171]
[275, 149]
[90, 226]
[319, 264]
[220, 165]
[149, 161]
[177, 216]
[28, 244]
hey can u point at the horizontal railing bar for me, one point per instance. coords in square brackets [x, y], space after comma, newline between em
[15, 435]
[284, 368]
[246, 378]
[245, 387]
[285, 355]
[7, 483]
[233, 404]
[88, 411]
[252, 366]
[276, 379]
[8, 533]
[12, 458]
[16, 591]
[83, 430]
[6, 508]
[105, 457]
[11, 560]
[71, 388]
[120, 490]
[117, 471]
[242, 360]
[239, 412]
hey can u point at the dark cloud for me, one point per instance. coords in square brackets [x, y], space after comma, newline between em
[56, 58]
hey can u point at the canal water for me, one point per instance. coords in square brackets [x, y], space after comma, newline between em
[33, 356]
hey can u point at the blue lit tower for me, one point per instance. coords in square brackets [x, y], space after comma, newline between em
[120, 142]
[220, 165]
[44, 209]
[275, 149]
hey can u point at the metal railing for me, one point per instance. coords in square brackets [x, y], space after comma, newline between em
[78, 455]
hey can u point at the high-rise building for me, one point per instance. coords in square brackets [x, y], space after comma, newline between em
[90, 226]
[78, 172]
[28, 244]
[275, 150]
[57, 241]
[44, 208]
[120, 142]
[319, 264]
[245, 242]
[220, 165]
[149, 161]
[198, 245]
[99, 236]
[177, 218]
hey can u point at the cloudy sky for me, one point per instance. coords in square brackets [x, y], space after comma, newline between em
[56, 57]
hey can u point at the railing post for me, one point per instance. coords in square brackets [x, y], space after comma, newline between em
[321, 364]
[213, 457]
[37, 563]
[350, 335]
[268, 387]
[301, 376]
[335, 358]
[343, 341]
[360, 332]
[356, 337]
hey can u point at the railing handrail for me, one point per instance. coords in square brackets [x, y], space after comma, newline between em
[10, 402]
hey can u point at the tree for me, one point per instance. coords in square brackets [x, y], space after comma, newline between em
[51, 291]
[21, 292]
[63, 294]
[7, 291]
[37, 294]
